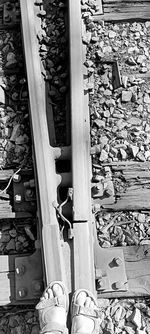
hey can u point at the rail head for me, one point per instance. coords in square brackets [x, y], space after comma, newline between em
[44, 154]
[80, 145]
[80, 135]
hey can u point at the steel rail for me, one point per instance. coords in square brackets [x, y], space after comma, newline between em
[44, 153]
[84, 276]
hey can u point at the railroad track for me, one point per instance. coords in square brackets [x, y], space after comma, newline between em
[65, 175]
[52, 256]
[53, 247]
[89, 261]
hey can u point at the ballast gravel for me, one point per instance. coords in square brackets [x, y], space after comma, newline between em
[15, 137]
[121, 113]
[124, 316]
[22, 321]
[118, 65]
[17, 237]
[123, 228]
[54, 54]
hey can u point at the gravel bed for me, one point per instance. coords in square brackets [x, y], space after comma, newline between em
[124, 316]
[123, 228]
[15, 138]
[118, 65]
[53, 49]
[17, 237]
[22, 321]
[120, 117]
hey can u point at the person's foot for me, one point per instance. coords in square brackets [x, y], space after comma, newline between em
[57, 313]
[82, 323]
[53, 307]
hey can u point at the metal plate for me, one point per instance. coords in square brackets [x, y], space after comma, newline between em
[29, 276]
[110, 275]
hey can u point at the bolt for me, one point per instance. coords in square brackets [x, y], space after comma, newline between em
[22, 81]
[38, 2]
[37, 286]
[118, 285]
[29, 193]
[20, 270]
[117, 261]
[108, 192]
[100, 284]
[97, 190]
[42, 13]
[97, 8]
[30, 184]
[98, 273]
[18, 198]
[15, 96]
[16, 177]
[22, 292]
[70, 193]
[97, 178]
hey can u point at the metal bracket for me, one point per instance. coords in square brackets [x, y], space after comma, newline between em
[109, 269]
[113, 274]
[29, 276]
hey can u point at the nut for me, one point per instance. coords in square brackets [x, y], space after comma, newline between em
[16, 177]
[29, 193]
[100, 284]
[117, 261]
[118, 285]
[37, 286]
[108, 192]
[98, 190]
[20, 270]
[18, 198]
[22, 292]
